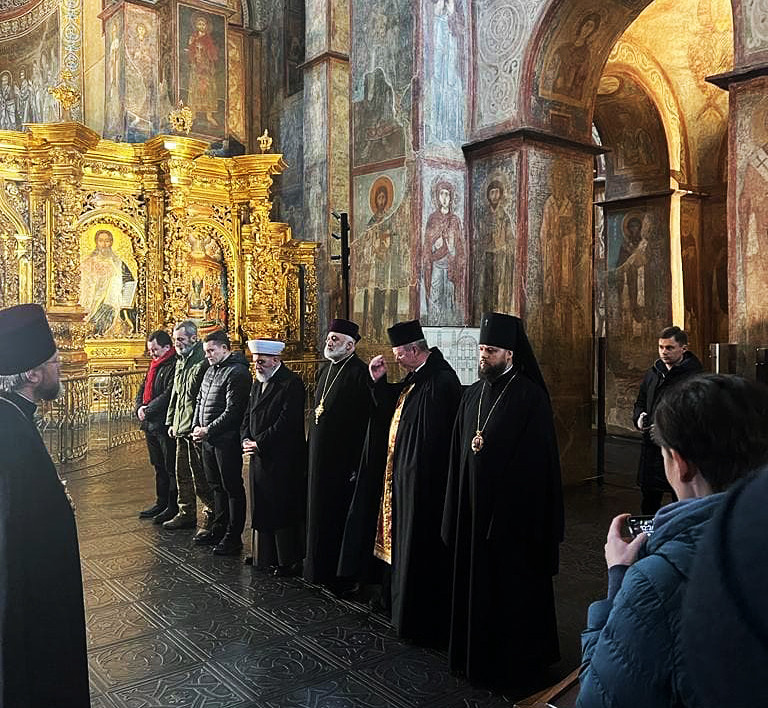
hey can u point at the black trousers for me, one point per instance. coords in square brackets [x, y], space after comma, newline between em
[223, 466]
[162, 456]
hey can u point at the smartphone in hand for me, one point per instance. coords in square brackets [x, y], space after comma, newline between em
[640, 524]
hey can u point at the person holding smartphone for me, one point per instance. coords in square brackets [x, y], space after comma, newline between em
[712, 431]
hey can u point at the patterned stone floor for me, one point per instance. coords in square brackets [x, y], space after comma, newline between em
[169, 624]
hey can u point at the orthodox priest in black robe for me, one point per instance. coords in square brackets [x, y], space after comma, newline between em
[397, 508]
[337, 427]
[503, 517]
[42, 622]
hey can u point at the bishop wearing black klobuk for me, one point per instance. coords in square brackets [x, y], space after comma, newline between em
[273, 438]
[503, 517]
[397, 507]
[43, 659]
[337, 428]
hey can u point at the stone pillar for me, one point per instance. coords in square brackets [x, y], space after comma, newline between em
[326, 140]
[554, 253]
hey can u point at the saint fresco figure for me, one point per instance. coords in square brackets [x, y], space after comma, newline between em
[444, 260]
[107, 289]
[572, 60]
[8, 115]
[139, 79]
[25, 98]
[630, 270]
[495, 260]
[447, 118]
[202, 56]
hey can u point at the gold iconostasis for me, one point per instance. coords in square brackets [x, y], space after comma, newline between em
[119, 239]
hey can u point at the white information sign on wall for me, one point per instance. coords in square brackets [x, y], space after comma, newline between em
[459, 347]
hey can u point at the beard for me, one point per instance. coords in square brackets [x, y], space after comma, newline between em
[49, 390]
[491, 372]
[335, 355]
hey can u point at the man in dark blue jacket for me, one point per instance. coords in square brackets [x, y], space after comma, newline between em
[675, 364]
[221, 404]
[713, 430]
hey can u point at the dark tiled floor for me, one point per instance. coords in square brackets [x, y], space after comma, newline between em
[171, 625]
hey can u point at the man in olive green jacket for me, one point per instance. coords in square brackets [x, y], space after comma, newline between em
[190, 369]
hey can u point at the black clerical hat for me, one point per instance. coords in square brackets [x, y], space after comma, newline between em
[345, 327]
[402, 333]
[497, 330]
[507, 332]
[25, 339]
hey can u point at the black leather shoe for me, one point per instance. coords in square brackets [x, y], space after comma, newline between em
[153, 510]
[228, 547]
[164, 515]
[287, 571]
[206, 538]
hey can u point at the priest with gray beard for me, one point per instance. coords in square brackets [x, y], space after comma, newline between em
[337, 427]
[503, 517]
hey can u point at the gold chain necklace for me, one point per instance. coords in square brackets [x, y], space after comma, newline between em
[320, 409]
[478, 441]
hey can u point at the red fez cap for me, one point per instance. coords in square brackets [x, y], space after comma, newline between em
[25, 339]
[405, 332]
[345, 327]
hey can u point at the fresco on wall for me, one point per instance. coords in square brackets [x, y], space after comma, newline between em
[493, 275]
[749, 253]
[203, 69]
[445, 58]
[444, 256]
[108, 280]
[568, 64]
[141, 52]
[501, 29]
[629, 124]
[690, 252]
[638, 297]
[236, 87]
[558, 285]
[113, 108]
[382, 277]
[207, 291]
[754, 14]
[29, 63]
[315, 27]
[378, 134]
[382, 72]
[293, 37]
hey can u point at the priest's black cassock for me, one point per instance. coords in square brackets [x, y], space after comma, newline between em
[42, 622]
[336, 439]
[419, 559]
[503, 522]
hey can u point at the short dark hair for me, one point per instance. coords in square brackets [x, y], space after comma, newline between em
[161, 337]
[718, 423]
[675, 333]
[219, 336]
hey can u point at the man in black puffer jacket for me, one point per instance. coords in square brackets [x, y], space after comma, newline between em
[221, 404]
[675, 364]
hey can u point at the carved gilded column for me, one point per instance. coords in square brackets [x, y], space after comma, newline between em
[264, 275]
[175, 157]
[63, 145]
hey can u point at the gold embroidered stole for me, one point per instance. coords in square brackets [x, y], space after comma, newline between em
[383, 548]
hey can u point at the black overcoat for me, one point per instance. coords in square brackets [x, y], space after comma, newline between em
[274, 420]
[503, 522]
[42, 622]
[420, 575]
[335, 444]
[657, 382]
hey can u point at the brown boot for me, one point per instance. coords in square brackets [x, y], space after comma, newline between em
[180, 521]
